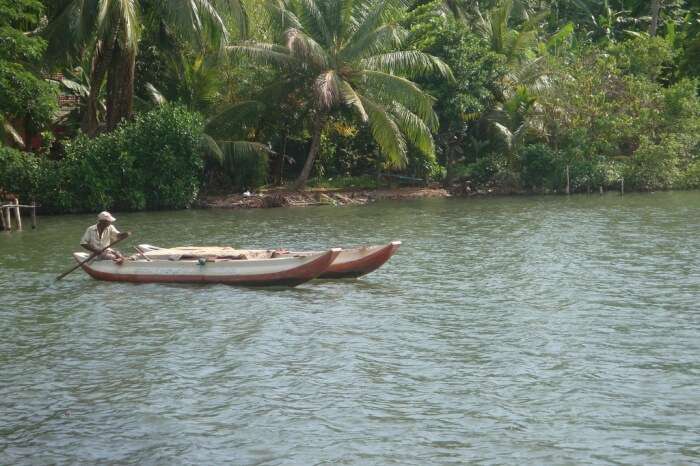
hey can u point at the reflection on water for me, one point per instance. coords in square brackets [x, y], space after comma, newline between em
[541, 330]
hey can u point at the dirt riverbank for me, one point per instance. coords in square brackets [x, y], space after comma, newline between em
[313, 197]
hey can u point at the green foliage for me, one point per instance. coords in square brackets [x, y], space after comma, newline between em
[476, 69]
[246, 170]
[19, 172]
[33, 178]
[23, 94]
[612, 121]
[539, 165]
[540, 89]
[654, 165]
[352, 56]
[491, 170]
[423, 167]
[690, 178]
[644, 56]
[152, 162]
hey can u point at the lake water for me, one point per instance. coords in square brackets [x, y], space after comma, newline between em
[527, 330]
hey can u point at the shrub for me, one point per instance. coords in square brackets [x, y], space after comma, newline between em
[492, 169]
[540, 165]
[691, 177]
[19, 173]
[645, 56]
[424, 166]
[151, 162]
[34, 179]
[654, 166]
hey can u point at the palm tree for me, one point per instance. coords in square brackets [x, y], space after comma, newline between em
[349, 52]
[109, 31]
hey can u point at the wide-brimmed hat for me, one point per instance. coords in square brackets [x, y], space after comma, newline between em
[106, 216]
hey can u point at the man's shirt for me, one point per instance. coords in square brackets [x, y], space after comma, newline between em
[97, 241]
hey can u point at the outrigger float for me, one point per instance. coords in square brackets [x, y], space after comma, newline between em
[253, 267]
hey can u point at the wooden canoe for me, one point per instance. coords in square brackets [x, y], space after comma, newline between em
[349, 263]
[282, 271]
[356, 262]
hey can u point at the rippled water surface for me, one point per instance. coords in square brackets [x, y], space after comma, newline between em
[534, 330]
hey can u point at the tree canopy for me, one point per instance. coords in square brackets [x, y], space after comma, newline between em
[508, 95]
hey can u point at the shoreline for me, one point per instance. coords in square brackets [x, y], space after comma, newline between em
[358, 196]
[317, 197]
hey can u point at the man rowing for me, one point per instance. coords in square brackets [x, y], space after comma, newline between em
[99, 236]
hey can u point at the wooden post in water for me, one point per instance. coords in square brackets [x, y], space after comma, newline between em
[601, 189]
[8, 220]
[33, 215]
[568, 181]
[622, 186]
[18, 216]
[2, 219]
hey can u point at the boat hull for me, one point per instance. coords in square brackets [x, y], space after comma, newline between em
[350, 263]
[353, 263]
[290, 271]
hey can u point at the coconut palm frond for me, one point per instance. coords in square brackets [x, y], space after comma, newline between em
[505, 134]
[327, 89]
[306, 48]
[10, 130]
[266, 54]
[120, 18]
[234, 119]
[390, 88]
[154, 94]
[233, 151]
[386, 133]
[415, 129]
[211, 149]
[386, 37]
[200, 20]
[280, 17]
[313, 18]
[240, 16]
[410, 63]
[350, 97]
[365, 21]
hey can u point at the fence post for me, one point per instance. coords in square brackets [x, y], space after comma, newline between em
[18, 216]
[8, 220]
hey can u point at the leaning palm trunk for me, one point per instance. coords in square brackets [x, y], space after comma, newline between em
[313, 152]
[120, 86]
[100, 63]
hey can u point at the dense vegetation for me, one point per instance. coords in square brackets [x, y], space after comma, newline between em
[161, 99]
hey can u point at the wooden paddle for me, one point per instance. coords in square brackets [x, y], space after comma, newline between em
[92, 256]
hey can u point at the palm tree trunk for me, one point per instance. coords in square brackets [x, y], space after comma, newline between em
[313, 151]
[100, 62]
[449, 165]
[120, 86]
[655, 9]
